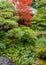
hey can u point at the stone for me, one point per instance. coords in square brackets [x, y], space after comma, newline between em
[6, 61]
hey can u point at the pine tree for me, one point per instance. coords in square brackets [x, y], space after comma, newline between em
[7, 18]
[39, 20]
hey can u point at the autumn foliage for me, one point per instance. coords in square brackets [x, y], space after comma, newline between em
[23, 7]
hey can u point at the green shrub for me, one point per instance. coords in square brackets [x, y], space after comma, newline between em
[41, 42]
[11, 22]
[16, 33]
[39, 20]
[8, 20]
[29, 36]
[2, 34]
[40, 49]
[24, 35]
[2, 46]
[5, 5]
[21, 54]
[1, 20]
[15, 18]
[6, 14]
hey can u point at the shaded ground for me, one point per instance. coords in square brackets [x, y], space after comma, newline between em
[41, 62]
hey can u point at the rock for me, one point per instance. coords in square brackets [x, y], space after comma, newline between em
[6, 61]
[37, 62]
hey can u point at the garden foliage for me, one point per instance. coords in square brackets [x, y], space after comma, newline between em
[22, 44]
[39, 20]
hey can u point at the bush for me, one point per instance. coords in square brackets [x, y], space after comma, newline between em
[2, 46]
[2, 34]
[7, 18]
[40, 49]
[21, 54]
[24, 35]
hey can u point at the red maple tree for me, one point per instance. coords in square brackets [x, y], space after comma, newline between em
[23, 9]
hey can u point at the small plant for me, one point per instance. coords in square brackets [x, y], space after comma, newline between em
[2, 46]
[40, 49]
[2, 34]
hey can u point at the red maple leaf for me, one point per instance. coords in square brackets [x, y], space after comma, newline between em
[27, 2]
[20, 6]
[23, 10]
